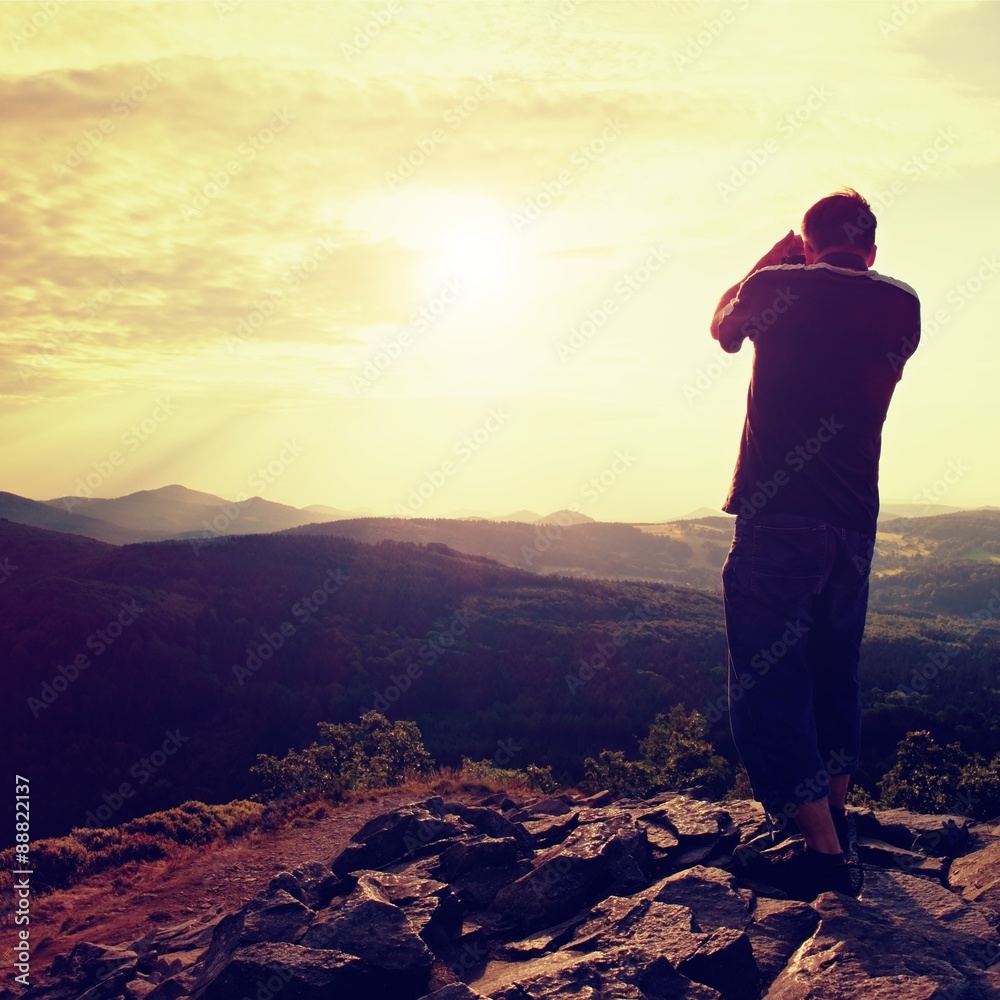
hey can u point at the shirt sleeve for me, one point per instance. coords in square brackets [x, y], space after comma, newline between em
[736, 319]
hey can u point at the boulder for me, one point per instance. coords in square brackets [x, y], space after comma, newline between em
[885, 855]
[367, 924]
[550, 830]
[611, 974]
[405, 833]
[709, 893]
[595, 859]
[476, 853]
[432, 908]
[779, 926]
[861, 949]
[977, 877]
[91, 965]
[274, 915]
[295, 972]
[949, 836]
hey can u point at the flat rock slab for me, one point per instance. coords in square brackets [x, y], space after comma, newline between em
[709, 893]
[294, 972]
[860, 949]
[938, 835]
[977, 877]
[878, 852]
[779, 927]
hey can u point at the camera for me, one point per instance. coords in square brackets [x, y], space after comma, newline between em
[793, 258]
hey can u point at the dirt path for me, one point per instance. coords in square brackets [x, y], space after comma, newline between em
[195, 883]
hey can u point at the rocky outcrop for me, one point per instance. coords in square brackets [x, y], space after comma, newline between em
[566, 897]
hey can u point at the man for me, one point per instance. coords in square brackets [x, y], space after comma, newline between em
[830, 340]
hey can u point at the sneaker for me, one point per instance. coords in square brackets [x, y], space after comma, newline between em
[805, 874]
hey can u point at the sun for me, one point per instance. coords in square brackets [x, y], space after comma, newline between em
[478, 251]
[461, 237]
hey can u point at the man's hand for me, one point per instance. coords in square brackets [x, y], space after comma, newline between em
[789, 244]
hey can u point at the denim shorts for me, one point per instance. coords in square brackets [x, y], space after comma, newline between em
[796, 598]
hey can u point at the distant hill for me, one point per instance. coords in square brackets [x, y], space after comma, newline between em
[590, 549]
[913, 564]
[565, 517]
[74, 521]
[335, 513]
[154, 515]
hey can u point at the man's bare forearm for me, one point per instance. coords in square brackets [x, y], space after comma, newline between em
[788, 244]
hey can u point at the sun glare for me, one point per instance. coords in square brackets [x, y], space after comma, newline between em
[479, 253]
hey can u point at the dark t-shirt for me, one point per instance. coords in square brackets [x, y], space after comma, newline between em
[830, 341]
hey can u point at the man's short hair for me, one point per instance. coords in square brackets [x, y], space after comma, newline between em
[844, 219]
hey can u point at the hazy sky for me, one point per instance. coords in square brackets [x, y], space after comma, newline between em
[466, 254]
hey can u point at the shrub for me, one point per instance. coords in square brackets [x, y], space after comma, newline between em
[532, 776]
[625, 778]
[58, 862]
[676, 754]
[932, 779]
[371, 753]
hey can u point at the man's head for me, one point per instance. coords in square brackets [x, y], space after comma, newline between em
[843, 221]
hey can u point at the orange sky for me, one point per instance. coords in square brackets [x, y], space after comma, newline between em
[468, 252]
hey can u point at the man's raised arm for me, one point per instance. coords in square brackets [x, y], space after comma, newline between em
[726, 324]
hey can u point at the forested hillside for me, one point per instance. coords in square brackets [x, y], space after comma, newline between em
[167, 670]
